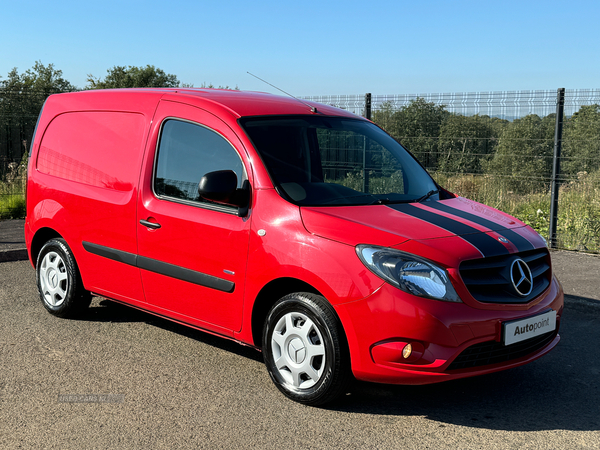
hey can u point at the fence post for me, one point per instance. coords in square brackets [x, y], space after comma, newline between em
[368, 106]
[366, 115]
[560, 108]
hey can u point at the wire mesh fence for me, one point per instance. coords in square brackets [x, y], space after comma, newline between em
[494, 147]
[499, 148]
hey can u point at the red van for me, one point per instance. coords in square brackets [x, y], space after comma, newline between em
[297, 228]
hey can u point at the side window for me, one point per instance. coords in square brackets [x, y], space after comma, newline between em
[186, 152]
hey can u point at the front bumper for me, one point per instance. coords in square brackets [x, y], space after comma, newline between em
[379, 327]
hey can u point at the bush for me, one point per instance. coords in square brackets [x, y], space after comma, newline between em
[12, 191]
[12, 207]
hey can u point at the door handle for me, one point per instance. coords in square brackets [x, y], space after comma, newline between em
[152, 225]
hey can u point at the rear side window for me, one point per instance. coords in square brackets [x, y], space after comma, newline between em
[186, 152]
[101, 149]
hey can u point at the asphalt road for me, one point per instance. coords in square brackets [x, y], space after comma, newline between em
[119, 378]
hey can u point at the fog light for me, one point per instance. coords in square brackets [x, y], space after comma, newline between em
[391, 353]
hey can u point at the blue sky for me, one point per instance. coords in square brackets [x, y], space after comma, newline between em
[315, 47]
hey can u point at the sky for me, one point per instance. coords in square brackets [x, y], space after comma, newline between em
[315, 47]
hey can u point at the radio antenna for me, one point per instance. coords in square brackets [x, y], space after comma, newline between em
[312, 108]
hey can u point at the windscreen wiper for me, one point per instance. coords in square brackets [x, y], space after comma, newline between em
[426, 196]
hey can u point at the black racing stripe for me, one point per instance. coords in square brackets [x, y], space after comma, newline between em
[519, 241]
[162, 268]
[486, 244]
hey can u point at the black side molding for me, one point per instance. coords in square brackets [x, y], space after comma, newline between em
[181, 273]
[160, 267]
[111, 253]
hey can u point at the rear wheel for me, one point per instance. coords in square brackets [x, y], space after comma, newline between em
[59, 282]
[305, 349]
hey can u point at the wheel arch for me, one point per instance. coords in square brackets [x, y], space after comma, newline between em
[267, 297]
[41, 236]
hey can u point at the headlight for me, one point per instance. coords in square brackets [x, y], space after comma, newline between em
[543, 239]
[408, 272]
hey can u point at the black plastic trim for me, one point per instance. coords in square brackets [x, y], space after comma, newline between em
[493, 352]
[162, 268]
[181, 273]
[111, 253]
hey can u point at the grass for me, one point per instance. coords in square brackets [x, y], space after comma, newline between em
[12, 191]
[578, 225]
[12, 201]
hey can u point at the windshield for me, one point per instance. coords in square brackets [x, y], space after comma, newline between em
[334, 161]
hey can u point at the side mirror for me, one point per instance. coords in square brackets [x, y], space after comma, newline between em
[221, 187]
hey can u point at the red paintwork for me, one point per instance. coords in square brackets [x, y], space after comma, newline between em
[313, 245]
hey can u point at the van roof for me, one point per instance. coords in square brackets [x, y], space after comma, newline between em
[240, 103]
[247, 103]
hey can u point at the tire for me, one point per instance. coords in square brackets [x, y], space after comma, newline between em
[59, 282]
[305, 349]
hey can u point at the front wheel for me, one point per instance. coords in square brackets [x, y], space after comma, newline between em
[305, 349]
[59, 282]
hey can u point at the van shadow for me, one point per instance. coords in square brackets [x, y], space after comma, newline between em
[104, 310]
[560, 391]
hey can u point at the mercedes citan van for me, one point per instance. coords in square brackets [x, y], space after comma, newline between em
[296, 228]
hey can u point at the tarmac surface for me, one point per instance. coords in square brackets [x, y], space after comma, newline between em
[116, 377]
[579, 273]
[12, 241]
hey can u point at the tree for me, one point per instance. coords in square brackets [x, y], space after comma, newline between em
[130, 77]
[524, 155]
[465, 141]
[21, 99]
[416, 126]
[581, 141]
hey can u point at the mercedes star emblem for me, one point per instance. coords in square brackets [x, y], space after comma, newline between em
[521, 277]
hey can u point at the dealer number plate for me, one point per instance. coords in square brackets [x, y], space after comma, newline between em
[520, 330]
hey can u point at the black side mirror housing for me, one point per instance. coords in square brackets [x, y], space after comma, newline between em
[221, 187]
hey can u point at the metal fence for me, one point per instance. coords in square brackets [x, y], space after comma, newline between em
[503, 104]
[500, 148]
[534, 154]
[19, 109]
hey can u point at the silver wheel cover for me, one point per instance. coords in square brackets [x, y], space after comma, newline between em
[298, 350]
[53, 279]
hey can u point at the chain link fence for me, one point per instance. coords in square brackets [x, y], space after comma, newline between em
[498, 148]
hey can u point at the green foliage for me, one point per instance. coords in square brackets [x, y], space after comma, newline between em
[578, 225]
[131, 77]
[12, 191]
[417, 126]
[39, 79]
[12, 207]
[212, 86]
[524, 154]
[377, 185]
[21, 99]
[581, 141]
[465, 143]
[22, 95]
[579, 213]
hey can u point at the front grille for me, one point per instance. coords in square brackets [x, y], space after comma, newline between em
[494, 352]
[488, 279]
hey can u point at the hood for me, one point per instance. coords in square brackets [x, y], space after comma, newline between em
[488, 230]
